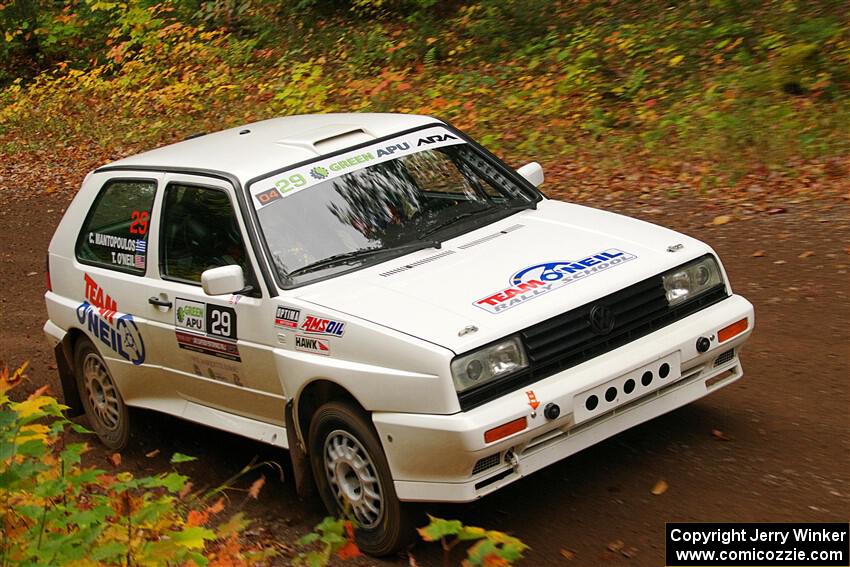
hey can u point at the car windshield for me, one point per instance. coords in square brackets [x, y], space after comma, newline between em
[378, 202]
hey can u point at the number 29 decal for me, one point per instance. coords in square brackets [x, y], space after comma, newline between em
[139, 222]
[221, 321]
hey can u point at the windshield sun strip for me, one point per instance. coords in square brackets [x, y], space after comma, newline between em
[493, 161]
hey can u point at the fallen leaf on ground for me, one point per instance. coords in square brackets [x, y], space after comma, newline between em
[717, 434]
[758, 253]
[115, 459]
[777, 210]
[779, 262]
[152, 454]
[629, 552]
[616, 545]
[806, 254]
[721, 219]
[568, 554]
[660, 487]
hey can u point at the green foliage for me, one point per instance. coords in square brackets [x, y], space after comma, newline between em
[491, 548]
[54, 511]
[731, 83]
[332, 537]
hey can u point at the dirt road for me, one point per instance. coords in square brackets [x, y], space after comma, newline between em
[773, 447]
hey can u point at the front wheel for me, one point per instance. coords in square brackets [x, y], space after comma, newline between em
[354, 480]
[102, 402]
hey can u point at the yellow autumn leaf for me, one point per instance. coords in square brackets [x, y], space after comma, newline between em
[34, 431]
[29, 407]
[193, 537]
[676, 60]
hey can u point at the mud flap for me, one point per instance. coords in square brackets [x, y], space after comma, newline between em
[305, 486]
[69, 382]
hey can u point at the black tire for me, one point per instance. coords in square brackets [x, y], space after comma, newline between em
[342, 434]
[108, 416]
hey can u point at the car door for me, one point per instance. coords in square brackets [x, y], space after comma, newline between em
[110, 265]
[218, 347]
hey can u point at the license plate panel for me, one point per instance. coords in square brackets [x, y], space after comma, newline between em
[627, 387]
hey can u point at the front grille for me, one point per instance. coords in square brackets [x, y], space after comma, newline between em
[567, 340]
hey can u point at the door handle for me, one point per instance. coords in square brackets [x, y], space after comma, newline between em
[159, 302]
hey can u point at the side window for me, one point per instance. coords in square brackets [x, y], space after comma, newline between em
[199, 232]
[115, 234]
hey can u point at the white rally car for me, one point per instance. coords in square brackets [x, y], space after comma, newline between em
[377, 293]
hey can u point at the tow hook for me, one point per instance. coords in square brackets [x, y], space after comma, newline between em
[512, 460]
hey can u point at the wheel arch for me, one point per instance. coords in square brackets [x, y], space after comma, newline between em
[298, 413]
[313, 395]
[65, 365]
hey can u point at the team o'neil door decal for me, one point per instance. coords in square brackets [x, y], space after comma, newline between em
[99, 312]
[538, 279]
[206, 328]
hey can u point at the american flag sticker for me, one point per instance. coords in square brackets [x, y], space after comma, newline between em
[141, 246]
[139, 262]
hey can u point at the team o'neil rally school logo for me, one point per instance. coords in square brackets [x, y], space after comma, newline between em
[538, 279]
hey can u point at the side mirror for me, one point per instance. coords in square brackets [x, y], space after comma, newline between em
[532, 172]
[223, 280]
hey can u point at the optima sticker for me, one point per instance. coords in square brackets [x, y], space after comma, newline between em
[539, 279]
[286, 317]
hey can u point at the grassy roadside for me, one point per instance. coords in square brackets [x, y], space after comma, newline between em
[705, 98]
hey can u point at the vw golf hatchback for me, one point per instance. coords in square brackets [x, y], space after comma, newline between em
[377, 293]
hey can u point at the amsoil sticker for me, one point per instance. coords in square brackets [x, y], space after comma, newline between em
[208, 345]
[290, 182]
[536, 280]
[319, 326]
[312, 344]
[99, 312]
[286, 317]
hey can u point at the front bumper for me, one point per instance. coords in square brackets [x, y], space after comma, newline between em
[445, 458]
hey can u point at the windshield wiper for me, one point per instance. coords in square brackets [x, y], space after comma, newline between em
[500, 209]
[355, 255]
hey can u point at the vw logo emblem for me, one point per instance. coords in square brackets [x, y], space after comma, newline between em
[601, 319]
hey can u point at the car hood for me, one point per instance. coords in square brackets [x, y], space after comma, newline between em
[507, 275]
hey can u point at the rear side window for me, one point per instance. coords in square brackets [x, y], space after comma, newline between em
[115, 234]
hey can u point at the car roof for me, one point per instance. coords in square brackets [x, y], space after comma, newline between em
[255, 149]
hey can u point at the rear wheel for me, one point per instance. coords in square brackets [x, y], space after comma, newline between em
[354, 480]
[102, 402]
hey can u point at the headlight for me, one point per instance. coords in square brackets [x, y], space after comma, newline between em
[691, 280]
[476, 368]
